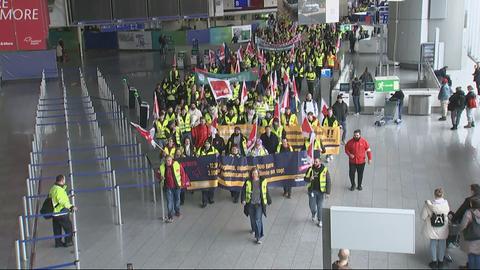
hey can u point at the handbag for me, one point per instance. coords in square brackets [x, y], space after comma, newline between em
[472, 232]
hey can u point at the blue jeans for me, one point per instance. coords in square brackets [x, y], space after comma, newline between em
[437, 249]
[400, 109]
[315, 201]
[255, 213]
[473, 261]
[173, 201]
[344, 129]
[356, 103]
[456, 116]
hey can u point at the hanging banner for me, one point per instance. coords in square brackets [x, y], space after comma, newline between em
[263, 45]
[230, 173]
[201, 76]
[135, 40]
[23, 25]
[243, 32]
[57, 13]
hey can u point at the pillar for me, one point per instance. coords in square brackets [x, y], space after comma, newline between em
[407, 29]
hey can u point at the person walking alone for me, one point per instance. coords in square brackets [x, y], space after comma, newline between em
[255, 198]
[340, 110]
[319, 186]
[355, 150]
[435, 217]
[61, 212]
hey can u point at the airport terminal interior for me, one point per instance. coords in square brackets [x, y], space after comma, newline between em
[108, 93]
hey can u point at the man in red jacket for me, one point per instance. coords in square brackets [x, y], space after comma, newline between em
[200, 133]
[355, 150]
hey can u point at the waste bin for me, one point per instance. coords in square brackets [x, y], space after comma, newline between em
[181, 59]
[132, 97]
[144, 114]
[419, 105]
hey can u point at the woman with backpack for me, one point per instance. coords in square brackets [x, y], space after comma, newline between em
[470, 228]
[471, 106]
[435, 216]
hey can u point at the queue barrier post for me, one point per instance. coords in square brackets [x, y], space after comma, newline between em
[154, 193]
[22, 238]
[27, 223]
[119, 207]
[114, 184]
[161, 198]
[18, 261]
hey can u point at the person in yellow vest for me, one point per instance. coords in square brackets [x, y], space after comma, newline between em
[268, 120]
[312, 120]
[207, 194]
[170, 115]
[282, 148]
[318, 185]
[331, 59]
[236, 91]
[171, 92]
[261, 108]
[231, 118]
[319, 58]
[170, 148]
[288, 118]
[235, 153]
[184, 123]
[268, 98]
[299, 72]
[255, 198]
[258, 150]
[278, 129]
[161, 129]
[174, 75]
[61, 212]
[311, 79]
[330, 120]
[173, 177]
[317, 145]
[174, 132]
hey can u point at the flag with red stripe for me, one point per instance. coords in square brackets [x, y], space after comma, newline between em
[220, 88]
[244, 95]
[306, 128]
[147, 135]
[156, 107]
[252, 138]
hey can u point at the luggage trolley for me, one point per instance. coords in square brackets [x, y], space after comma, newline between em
[388, 113]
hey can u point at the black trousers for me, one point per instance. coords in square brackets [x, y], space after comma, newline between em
[62, 223]
[356, 168]
[182, 195]
[207, 195]
[235, 195]
[299, 85]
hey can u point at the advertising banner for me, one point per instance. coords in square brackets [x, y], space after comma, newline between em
[243, 32]
[23, 25]
[134, 41]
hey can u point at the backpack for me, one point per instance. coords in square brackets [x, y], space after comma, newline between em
[460, 102]
[47, 208]
[472, 232]
[437, 220]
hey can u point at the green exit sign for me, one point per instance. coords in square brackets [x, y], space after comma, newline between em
[387, 84]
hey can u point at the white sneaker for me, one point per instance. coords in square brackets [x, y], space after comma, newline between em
[320, 224]
[313, 219]
[259, 242]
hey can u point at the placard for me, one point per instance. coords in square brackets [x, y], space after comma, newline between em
[243, 32]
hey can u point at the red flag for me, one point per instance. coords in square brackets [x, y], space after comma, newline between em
[285, 99]
[237, 69]
[174, 64]
[249, 49]
[311, 147]
[213, 126]
[252, 138]
[286, 78]
[323, 110]
[292, 52]
[275, 84]
[222, 51]
[306, 127]
[156, 107]
[220, 88]
[276, 112]
[239, 54]
[295, 92]
[244, 95]
[211, 56]
[145, 134]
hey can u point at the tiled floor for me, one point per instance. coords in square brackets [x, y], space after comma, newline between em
[410, 161]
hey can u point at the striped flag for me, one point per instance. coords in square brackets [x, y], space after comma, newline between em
[147, 135]
[244, 94]
[156, 107]
[311, 147]
[306, 128]
[285, 99]
[252, 138]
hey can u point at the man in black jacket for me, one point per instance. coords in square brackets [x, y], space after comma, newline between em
[356, 87]
[398, 96]
[340, 110]
[458, 215]
[269, 140]
[456, 104]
